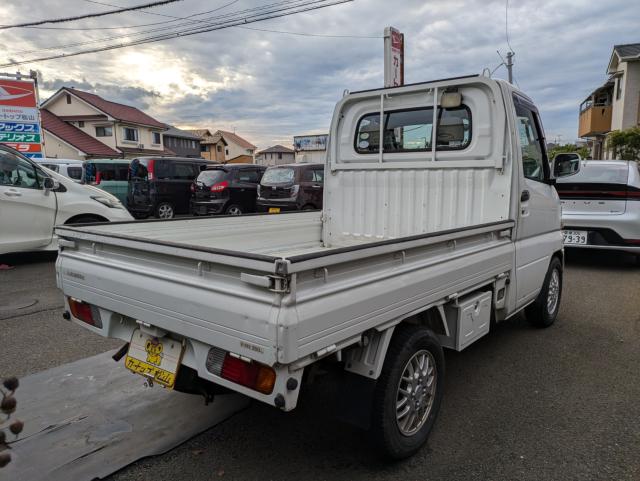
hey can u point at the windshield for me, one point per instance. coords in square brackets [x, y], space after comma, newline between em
[278, 176]
[210, 177]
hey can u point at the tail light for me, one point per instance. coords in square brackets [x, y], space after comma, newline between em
[193, 187]
[98, 178]
[85, 312]
[151, 169]
[241, 370]
[220, 186]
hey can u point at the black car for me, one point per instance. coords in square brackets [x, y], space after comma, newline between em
[291, 187]
[226, 189]
[160, 186]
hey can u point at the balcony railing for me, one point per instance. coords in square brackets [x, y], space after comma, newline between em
[595, 120]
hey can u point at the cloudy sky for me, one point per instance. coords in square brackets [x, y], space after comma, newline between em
[271, 86]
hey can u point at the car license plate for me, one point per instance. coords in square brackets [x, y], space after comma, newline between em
[155, 358]
[573, 237]
[274, 210]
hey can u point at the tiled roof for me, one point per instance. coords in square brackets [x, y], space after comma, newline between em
[627, 50]
[183, 134]
[276, 148]
[201, 133]
[74, 136]
[124, 113]
[236, 139]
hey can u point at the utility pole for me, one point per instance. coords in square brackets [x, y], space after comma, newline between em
[509, 65]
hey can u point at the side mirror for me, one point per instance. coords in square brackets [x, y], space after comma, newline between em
[50, 184]
[563, 167]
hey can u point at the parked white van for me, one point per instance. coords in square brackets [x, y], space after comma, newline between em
[34, 199]
[71, 168]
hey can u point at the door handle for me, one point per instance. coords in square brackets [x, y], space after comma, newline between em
[525, 196]
[13, 194]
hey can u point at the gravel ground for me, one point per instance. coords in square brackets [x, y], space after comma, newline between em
[522, 403]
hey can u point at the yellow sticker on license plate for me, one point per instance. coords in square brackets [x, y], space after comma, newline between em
[274, 210]
[155, 358]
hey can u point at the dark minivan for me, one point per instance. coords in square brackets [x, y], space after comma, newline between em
[161, 186]
[291, 187]
[226, 189]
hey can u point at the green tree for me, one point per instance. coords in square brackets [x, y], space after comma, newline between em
[625, 144]
[568, 148]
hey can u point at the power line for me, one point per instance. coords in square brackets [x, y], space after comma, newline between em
[273, 13]
[89, 15]
[305, 34]
[206, 21]
[506, 23]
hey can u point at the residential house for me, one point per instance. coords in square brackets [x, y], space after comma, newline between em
[124, 129]
[180, 142]
[615, 105]
[237, 146]
[311, 148]
[276, 155]
[65, 141]
[212, 146]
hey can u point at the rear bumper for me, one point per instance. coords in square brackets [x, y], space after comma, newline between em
[208, 207]
[263, 205]
[614, 232]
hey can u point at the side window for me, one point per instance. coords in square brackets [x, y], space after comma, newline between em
[411, 130]
[75, 172]
[318, 176]
[185, 171]
[17, 172]
[53, 167]
[533, 156]
[163, 169]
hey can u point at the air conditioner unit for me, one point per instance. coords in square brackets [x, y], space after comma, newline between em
[141, 146]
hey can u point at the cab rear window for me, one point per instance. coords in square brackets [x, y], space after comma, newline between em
[411, 130]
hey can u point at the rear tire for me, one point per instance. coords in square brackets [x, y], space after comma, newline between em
[543, 312]
[309, 207]
[234, 209]
[408, 392]
[165, 211]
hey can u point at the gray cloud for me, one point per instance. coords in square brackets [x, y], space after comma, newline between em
[273, 86]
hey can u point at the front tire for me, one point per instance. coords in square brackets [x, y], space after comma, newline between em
[408, 392]
[165, 211]
[543, 312]
[234, 209]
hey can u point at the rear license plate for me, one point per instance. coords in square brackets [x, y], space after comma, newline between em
[155, 358]
[274, 210]
[573, 237]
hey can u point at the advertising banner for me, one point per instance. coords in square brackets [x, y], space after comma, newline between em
[19, 117]
[310, 142]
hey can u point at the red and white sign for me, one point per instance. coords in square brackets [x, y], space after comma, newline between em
[19, 93]
[19, 113]
[24, 148]
[393, 57]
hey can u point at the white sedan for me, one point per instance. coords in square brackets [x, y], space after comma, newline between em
[601, 206]
[33, 199]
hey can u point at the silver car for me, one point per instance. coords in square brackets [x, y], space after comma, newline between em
[601, 206]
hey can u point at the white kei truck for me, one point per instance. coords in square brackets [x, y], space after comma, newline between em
[417, 249]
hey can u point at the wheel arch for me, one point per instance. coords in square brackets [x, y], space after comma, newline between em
[86, 218]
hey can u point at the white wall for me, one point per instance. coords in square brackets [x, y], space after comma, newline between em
[59, 150]
[271, 158]
[311, 156]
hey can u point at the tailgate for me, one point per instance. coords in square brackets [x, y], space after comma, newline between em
[201, 297]
[592, 199]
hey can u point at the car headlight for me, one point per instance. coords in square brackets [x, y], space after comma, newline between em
[113, 204]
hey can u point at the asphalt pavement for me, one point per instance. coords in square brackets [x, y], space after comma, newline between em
[561, 403]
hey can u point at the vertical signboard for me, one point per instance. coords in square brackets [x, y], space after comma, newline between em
[20, 126]
[393, 57]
